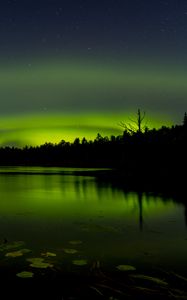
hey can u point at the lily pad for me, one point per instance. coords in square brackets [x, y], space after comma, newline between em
[126, 268]
[25, 251]
[38, 262]
[70, 251]
[10, 246]
[76, 242]
[18, 253]
[41, 265]
[35, 260]
[80, 262]
[14, 254]
[149, 278]
[25, 274]
[48, 254]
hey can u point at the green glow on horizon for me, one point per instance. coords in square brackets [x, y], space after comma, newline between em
[39, 129]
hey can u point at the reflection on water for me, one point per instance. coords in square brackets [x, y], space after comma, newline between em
[48, 209]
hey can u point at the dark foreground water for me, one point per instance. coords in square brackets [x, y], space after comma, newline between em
[78, 225]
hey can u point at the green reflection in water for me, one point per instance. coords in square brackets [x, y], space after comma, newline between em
[47, 211]
[52, 195]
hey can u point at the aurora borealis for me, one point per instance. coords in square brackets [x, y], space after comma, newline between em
[77, 68]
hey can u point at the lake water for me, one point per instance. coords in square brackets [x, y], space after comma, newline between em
[54, 210]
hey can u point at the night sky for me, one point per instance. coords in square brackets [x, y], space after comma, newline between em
[75, 68]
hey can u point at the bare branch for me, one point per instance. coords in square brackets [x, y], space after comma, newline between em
[139, 127]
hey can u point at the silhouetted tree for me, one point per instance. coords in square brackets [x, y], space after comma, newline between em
[76, 142]
[84, 141]
[136, 125]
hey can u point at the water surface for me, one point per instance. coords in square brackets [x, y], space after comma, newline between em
[47, 208]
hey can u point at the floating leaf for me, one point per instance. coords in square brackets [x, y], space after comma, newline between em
[10, 246]
[18, 253]
[14, 254]
[80, 262]
[25, 251]
[149, 278]
[126, 268]
[41, 265]
[25, 274]
[77, 242]
[35, 260]
[48, 254]
[70, 251]
[38, 262]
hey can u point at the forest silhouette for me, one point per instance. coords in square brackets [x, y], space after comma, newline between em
[141, 155]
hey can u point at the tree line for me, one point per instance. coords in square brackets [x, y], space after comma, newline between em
[137, 148]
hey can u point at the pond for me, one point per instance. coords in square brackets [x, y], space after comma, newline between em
[78, 223]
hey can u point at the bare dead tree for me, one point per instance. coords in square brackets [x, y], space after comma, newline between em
[136, 125]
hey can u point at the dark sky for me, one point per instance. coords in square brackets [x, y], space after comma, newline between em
[93, 56]
[112, 27]
[117, 28]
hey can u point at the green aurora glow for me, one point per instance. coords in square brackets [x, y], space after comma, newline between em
[38, 129]
[51, 101]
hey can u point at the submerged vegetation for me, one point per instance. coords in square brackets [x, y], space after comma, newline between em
[88, 278]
